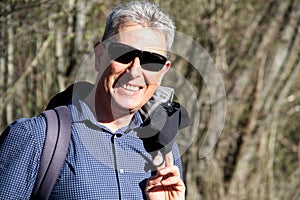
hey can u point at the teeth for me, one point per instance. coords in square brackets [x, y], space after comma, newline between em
[130, 87]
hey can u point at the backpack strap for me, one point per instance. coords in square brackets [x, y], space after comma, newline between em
[54, 151]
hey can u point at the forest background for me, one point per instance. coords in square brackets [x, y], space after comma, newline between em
[254, 44]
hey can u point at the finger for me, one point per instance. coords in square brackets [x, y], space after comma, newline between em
[158, 160]
[169, 160]
[169, 170]
[153, 182]
[172, 180]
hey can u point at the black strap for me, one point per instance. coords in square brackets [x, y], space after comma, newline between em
[54, 152]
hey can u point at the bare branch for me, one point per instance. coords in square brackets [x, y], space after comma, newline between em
[8, 95]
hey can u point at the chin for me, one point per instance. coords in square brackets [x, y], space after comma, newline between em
[128, 108]
[132, 108]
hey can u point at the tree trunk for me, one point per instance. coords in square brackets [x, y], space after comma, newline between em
[10, 65]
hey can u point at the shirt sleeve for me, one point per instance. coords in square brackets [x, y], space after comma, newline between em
[20, 149]
[177, 158]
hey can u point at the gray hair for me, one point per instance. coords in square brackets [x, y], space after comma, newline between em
[144, 13]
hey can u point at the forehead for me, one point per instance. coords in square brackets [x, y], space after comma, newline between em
[141, 37]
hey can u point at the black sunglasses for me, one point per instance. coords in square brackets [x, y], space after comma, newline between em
[124, 54]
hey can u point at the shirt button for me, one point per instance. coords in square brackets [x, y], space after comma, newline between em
[122, 171]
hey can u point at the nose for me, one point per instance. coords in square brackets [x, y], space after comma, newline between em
[135, 68]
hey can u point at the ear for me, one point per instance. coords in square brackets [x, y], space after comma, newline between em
[166, 67]
[98, 53]
[164, 70]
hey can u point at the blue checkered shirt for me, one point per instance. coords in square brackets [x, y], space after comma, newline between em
[99, 164]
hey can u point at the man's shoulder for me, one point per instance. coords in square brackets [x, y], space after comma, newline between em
[31, 123]
[21, 145]
[26, 130]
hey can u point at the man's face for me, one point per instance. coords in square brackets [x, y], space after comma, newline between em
[127, 87]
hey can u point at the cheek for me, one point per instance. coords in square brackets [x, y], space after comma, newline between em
[115, 71]
[153, 78]
[116, 68]
[108, 78]
[148, 93]
[152, 83]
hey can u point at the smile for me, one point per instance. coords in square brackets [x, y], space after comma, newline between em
[130, 87]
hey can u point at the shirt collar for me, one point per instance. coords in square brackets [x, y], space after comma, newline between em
[81, 113]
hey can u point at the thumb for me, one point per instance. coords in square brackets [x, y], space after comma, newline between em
[160, 161]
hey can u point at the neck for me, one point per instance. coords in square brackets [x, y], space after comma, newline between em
[117, 123]
[107, 114]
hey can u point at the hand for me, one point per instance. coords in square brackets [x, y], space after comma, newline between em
[166, 184]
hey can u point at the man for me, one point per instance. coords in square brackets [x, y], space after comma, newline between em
[106, 158]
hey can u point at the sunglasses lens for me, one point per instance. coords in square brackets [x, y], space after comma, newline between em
[125, 58]
[153, 61]
[120, 53]
[125, 54]
[154, 67]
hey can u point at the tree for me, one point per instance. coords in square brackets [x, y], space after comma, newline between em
[254, 44]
